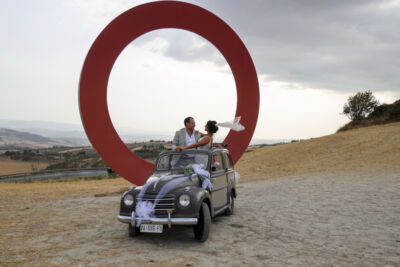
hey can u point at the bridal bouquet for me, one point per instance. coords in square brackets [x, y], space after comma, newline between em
[188, 170]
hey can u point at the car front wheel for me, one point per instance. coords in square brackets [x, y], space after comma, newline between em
[202, 229]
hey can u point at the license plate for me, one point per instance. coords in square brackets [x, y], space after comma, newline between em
[151, 228]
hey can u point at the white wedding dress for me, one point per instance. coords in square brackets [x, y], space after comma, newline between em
[206, 146]
[203, 158]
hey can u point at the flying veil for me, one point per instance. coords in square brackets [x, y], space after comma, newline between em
[234, 125]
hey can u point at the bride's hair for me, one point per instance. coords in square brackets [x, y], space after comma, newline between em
[212, 127]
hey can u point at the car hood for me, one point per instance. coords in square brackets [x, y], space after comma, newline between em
[158, 181]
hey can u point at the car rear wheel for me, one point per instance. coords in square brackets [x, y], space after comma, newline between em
[229, 210]
[133, 230]
[202, 229]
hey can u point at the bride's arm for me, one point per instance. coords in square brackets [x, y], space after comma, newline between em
[202, 142]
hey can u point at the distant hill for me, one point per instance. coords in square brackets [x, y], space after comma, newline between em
[12, 138]
[75, 133]
[72, 134]
[374, 149]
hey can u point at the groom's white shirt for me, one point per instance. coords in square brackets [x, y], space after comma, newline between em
[190, 139]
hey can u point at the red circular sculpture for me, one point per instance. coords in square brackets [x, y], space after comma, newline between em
[123, 30]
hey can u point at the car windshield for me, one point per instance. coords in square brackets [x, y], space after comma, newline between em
[179, 160]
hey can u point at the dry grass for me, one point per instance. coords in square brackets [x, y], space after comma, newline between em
[373, 149]
[13, 166]
[27, 213]
[36, 192]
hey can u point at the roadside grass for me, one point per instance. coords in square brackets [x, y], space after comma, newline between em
[68, 179]
[8, 166]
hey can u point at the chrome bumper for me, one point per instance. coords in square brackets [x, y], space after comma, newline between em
[177, 221]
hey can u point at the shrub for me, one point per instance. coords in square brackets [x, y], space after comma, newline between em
[360, 105]
[382, 114]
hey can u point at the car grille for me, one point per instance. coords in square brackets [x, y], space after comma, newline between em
[164, 204]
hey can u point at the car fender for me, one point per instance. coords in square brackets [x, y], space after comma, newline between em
[201, 195]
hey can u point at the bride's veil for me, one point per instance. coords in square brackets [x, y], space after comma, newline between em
[234, 125]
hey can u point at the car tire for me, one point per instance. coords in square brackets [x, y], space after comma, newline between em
[133, 230]
[202, 229]
[230, 209]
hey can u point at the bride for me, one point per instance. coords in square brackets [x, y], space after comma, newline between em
[206, 141]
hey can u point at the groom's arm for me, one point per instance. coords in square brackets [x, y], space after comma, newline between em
[198, 134]
[175, 141]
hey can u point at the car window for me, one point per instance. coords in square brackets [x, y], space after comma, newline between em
[217, 162]
[163, 163]
[228, 161]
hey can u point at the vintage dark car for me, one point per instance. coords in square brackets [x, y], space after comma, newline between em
[177, 195]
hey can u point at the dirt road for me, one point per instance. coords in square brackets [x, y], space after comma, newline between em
[350, 220]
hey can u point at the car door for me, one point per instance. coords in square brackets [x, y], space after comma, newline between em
[230, 172]
[220, 185]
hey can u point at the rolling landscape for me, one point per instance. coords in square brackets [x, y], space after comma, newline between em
[369, 149]
[27, 146]
[300, 200]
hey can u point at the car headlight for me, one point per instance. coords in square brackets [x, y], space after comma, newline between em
[128, 199]
[184, 200]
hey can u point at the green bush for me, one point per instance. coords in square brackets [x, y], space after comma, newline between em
[382, 114]
[360, 105]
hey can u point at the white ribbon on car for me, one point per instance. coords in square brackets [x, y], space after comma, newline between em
[236, 177]
[145, 209]
[199, 171]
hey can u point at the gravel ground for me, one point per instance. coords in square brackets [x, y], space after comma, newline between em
[322, 220]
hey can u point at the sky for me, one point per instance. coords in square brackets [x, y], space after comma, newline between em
[310, 56]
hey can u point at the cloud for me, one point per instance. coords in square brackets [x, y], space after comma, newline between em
[310, 55]
[339, 45]
[336, 45]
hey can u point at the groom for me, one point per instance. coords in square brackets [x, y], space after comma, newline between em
[186, 136]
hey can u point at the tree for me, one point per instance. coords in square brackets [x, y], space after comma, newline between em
[360, 105]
